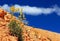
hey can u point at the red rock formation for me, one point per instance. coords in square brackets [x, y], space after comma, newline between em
[2, 13]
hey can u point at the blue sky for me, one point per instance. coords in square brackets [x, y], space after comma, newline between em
[49, 22]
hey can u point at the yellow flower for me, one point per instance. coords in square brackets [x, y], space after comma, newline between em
[12, 8]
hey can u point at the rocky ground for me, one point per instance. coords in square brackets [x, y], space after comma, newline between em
[29, 33]
[4, 31]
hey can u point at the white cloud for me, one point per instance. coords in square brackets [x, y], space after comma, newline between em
[57, 10]
[34, 10]
[6, 7]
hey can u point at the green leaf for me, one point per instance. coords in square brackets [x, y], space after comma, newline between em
[15, 30]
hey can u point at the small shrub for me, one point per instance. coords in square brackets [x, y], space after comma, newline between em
[15, 30]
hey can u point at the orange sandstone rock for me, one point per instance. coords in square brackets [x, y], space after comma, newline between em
[2, 13]
[7, 17]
